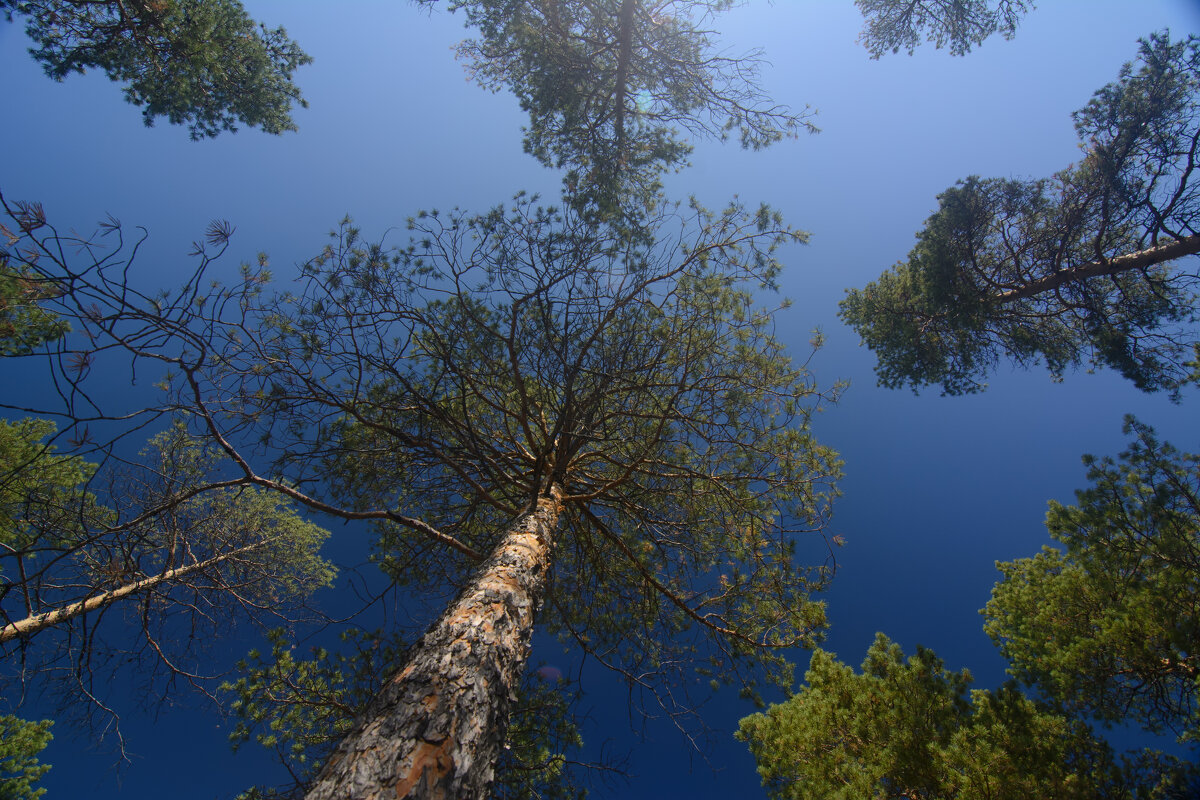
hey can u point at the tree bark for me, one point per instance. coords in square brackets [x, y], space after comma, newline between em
[36, 623]
[1188, 245]
[436, 729]
[624, 56]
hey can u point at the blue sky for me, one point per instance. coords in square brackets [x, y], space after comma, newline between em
[936, 489]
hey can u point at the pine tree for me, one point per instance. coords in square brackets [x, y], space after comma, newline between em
[203, 63]
[1094, 266]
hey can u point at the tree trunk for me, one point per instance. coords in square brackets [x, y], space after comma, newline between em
[624, 56]
[36, 623]
[437, 727]
[1188, 245]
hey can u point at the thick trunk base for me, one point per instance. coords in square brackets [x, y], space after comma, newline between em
[437, 727]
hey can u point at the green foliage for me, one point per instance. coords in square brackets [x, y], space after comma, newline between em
[143, 584]
[1108, 625]
[41, 502]
[203, 63]
[908, 728]
[499, 353]
[299, 709]
[608, 86]
[1105, 628]
[895, 25]
[273, 553]
[1061, 270]
[23, 323]
[20, 743]
[923, 318]
[542, 734]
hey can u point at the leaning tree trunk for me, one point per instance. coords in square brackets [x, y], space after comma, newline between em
[1158, 254]
[437, 727]
[36, 623]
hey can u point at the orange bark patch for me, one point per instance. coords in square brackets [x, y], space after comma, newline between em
[401, 676]
[509, 582]
[430, 763]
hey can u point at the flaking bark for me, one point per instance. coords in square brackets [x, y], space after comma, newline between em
[436, 729]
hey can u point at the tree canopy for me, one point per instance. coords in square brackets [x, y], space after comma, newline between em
[23, 323]
[907, 728]
[895, 25]
[20, 743]
[1107, 626]
[1095, 265]
[501, 353]
[129, 566]
[203, 63]
[579, 415]
[614, 360]
[439, 387]
[1104, 630]
[614, 89]
[136, 586]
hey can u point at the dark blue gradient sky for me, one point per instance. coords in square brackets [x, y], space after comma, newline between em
[936, 489]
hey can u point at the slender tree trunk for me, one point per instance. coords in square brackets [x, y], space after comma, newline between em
[436, 729]
[624, 56]
[36, 623]
[1188, 245]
